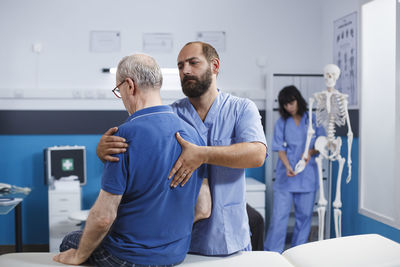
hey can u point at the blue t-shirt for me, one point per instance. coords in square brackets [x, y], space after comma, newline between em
[154, 222]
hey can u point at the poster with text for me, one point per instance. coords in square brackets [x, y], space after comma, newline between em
[345, 56]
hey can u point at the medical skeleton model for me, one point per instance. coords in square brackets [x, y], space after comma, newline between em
[331, 110]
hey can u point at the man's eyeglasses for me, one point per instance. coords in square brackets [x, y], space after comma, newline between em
[116, 91]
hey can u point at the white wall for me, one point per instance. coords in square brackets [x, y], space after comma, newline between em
[287, 33]
[331, 11]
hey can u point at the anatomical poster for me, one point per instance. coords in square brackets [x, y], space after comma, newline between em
[345, 56]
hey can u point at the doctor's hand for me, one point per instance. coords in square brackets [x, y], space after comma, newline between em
[109, 145]
[190, 159]
[290, 172]
[70, 257]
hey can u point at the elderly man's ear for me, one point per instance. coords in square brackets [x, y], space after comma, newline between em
[132, 86]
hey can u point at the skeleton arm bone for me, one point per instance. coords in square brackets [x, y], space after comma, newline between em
[349, 141]
[310, 132]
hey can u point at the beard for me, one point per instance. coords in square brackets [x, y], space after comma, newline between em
[196, 87]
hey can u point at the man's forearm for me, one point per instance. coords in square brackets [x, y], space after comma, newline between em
[94, 232]
[100, 219]
[204, 203]
[241, 155]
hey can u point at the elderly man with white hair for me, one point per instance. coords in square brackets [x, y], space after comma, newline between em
[138, 219]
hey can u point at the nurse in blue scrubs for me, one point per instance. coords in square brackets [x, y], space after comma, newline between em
[290, 134]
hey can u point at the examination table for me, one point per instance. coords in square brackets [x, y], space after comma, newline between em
[370, 250]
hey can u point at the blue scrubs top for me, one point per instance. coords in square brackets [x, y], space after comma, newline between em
[295, 137]
[230, 120]
[154, 222]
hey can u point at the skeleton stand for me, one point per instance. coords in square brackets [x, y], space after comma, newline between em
[328, 215]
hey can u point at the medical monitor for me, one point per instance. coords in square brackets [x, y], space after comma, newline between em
[67, 162]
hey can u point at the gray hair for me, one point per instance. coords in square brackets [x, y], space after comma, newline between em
[142, 69]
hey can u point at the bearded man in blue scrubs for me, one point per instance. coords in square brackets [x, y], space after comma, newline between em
[138, 219]
[231, 127]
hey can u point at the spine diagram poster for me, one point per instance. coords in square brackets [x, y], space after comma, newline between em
[345, 56]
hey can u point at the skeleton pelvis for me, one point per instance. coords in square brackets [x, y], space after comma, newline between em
[324, 146]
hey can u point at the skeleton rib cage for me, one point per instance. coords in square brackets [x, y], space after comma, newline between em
[335, 116]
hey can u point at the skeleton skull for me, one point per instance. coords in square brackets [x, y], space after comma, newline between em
[331, 74]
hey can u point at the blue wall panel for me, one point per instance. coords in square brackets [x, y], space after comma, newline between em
[257, 173]
[21, 164]
[352, 221]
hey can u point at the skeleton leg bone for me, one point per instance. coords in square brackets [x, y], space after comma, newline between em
[321, 222]
[337, 216]
[337, 203]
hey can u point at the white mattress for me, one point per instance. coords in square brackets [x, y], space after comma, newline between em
[369, 250]
[242, 259]
[353, 251]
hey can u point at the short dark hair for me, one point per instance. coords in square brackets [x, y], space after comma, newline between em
[209, 51]
[287, 95]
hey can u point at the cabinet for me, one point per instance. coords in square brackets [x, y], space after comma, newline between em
[62, 202]
[255, 195]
